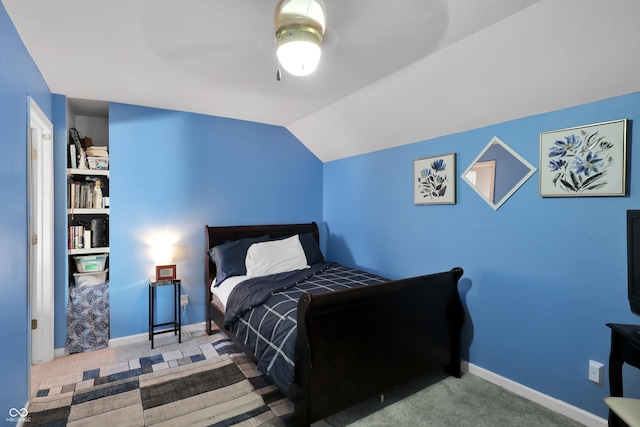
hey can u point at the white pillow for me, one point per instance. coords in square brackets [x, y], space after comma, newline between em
[275, 256]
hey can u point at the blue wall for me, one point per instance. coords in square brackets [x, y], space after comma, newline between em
[172, 173]
[542, 275]
[19, 78]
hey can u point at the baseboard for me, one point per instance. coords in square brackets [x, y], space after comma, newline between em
[573, 412]
[131, 339]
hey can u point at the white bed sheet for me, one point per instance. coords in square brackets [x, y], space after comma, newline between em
[224, 290]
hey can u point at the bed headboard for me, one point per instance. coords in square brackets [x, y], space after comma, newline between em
[219, 235]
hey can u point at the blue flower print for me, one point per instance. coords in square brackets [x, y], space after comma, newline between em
[438, 165]
[587, 165]
[432, 182]
[554, 165]
[578, 162]
[562, 148]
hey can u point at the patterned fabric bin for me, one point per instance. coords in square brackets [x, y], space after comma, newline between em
[88, 318]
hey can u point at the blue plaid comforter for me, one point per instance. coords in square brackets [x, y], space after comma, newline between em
[262, 312]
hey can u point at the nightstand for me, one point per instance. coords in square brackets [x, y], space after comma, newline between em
[177, 318]
[625, 348]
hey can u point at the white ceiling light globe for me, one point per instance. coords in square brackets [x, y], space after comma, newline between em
[299, 57]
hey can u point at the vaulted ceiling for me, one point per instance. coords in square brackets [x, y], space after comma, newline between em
[391, 73]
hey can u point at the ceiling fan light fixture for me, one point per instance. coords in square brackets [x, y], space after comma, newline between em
[299, 51]
[300, 28]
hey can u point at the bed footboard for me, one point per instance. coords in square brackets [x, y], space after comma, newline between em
[357, 343]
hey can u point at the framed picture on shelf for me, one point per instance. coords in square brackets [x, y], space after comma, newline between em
[165, 272]
[434, 180]
[586, 160]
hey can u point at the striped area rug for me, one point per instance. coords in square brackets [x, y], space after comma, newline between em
[218, 387]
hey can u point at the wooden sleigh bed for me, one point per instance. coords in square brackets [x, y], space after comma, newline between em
[356, 343]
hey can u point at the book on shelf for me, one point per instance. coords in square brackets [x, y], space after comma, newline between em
[97, 151]
[77, 237]
[73, 160]
[80, 195]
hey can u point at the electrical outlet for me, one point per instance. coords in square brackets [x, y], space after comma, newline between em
[184, 300]
[596, 372]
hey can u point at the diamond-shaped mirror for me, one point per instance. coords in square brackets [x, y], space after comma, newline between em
[497, 173]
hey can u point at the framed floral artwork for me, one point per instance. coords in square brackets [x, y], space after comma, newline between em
[584, 161]
[434, 180]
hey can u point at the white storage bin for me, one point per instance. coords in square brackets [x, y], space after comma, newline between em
[101, 163]
[90, 279]
[90, 263]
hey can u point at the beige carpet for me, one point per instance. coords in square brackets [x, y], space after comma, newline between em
[209, 384]
[114, 355]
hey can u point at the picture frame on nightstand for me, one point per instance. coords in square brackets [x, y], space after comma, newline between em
[166, 272]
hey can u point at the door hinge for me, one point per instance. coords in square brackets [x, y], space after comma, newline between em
[34, 154]
[34, 323]
[34, 239]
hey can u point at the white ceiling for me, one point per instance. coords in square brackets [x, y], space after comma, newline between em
[391, 73]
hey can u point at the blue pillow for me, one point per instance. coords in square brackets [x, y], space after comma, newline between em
[229, 257]
[311, 248]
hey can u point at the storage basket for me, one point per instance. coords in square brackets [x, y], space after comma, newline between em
[90, 279]
[90, 263]
[98, 162]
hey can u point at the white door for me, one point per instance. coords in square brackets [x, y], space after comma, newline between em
[41, 282]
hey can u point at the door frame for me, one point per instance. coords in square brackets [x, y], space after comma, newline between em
[41, 225]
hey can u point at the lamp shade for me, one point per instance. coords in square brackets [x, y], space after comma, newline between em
[300, 26]
[163, 253]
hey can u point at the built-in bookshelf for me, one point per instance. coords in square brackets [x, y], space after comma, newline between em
[88, 248]
[87, 184]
